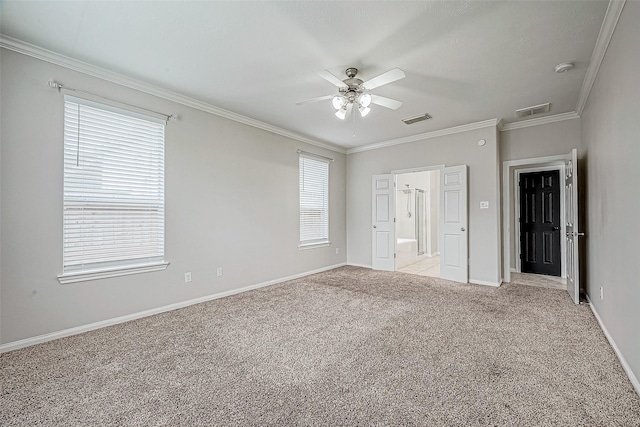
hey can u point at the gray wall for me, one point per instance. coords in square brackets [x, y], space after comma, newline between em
[450, 150]
[550, 139]
[539, 141]
[231, 202]
[611, 151]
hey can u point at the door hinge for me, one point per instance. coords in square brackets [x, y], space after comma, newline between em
[394, 255]
[394, 220]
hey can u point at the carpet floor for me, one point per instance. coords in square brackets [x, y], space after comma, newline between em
[346, 347]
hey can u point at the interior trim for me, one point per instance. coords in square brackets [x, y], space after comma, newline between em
[104, 74]
[485, 283]
[133, 316]
[517, 171]
[506, 203]
[353, 264]
[426, 135]
[609, 23]
[84, 276]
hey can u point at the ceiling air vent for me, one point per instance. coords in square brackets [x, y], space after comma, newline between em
[530, 111]
[416, 119]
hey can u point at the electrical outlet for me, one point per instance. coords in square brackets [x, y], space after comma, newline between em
[187, 277]
[601, 292]
[337, 251]
[219, 272]
[484, 205]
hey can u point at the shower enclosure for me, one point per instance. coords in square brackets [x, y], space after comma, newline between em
[411, 231]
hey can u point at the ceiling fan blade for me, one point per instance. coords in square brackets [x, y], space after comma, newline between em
[349, 110]
[320, 98]
[384, 78]
[386, 102]
[331, 78]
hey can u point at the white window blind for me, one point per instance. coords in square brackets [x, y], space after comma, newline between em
[314, 200]
[113, 188]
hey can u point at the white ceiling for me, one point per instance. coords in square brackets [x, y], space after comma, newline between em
[465, 61]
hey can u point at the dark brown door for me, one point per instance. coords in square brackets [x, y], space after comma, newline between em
[540, 223]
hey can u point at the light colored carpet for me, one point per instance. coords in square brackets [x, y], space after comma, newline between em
[345, 347]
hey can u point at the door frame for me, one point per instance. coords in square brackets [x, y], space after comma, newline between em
[516, 232]
[412, 170]
[508, 211]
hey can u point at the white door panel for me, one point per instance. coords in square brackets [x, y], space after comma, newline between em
[452, 250]
[453, 224]
[383, 231]
[572, 255]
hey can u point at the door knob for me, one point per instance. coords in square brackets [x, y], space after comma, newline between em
[556, 228]
[461, 228]
[375, 226]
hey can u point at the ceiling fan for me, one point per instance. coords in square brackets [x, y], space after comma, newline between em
[354, 92]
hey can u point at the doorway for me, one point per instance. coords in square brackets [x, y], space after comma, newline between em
[540, 221]
[451, 208]
[417, 222]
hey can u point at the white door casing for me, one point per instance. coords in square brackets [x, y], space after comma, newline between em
[572, 254]
[383, 222]
[454, 224]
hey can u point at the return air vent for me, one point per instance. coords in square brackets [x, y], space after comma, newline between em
[530, 111]
[416, 119]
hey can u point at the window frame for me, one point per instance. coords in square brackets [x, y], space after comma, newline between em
[123, 266]
[322, 241]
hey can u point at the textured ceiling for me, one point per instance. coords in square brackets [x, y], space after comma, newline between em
[464, 61]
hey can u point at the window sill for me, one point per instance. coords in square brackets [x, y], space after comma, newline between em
[114, 272]
[313, 245]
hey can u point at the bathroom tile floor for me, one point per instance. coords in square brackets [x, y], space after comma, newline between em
[425, 266]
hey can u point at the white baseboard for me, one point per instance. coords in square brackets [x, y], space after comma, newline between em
[485, 283]
[358, 265]
[623, 362]
[513, 270]
[114, 321]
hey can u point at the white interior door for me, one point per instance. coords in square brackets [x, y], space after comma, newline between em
[453, 224]
[572, 258]
[383, 218]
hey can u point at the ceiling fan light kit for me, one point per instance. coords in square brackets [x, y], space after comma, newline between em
[353, 91]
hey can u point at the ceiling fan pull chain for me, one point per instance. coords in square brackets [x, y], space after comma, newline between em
[354, 125]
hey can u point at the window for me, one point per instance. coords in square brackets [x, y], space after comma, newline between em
[113, 218]
[314, 201]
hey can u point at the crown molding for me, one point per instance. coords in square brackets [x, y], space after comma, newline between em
[602, 43]
[42, 54]
[539, 121]
[423, 136]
